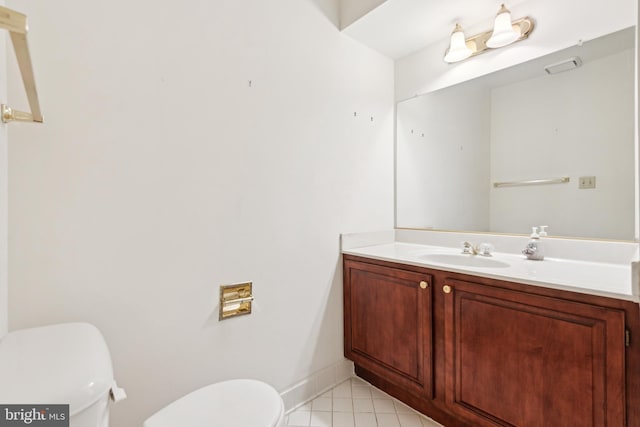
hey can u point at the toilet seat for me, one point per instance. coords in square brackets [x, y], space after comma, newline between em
[234, 403]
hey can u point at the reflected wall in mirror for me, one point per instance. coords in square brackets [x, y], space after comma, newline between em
[523, 124]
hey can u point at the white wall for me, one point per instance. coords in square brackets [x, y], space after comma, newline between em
[557, 25]
[160, 174]
[4, 209]
[559, 129]
[447, 162]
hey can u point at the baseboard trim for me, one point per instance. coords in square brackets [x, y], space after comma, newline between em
[316, 384]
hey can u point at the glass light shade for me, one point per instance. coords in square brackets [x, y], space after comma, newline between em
[458, 49]
[503, 32]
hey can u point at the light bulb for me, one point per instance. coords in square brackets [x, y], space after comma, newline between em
[458, 49]
[503, 32]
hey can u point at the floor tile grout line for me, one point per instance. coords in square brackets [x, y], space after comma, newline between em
[388, 407]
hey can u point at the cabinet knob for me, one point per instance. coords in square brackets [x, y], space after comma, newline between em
[424, 285]
[446, 289]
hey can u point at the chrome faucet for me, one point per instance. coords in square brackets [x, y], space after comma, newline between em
[483, 249]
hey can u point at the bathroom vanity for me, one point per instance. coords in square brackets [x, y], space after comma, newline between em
[470, 346]
[502, 340]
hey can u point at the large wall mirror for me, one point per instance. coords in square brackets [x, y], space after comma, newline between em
[493, 154]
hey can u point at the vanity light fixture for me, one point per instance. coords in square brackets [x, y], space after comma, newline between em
[458, 49]
[504, 33]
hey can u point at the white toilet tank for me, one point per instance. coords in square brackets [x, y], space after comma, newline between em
[66, 363]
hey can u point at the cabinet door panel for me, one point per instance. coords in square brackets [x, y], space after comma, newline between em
[388, 323]
[516, 359]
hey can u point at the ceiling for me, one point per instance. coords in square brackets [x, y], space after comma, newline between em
[397, 28]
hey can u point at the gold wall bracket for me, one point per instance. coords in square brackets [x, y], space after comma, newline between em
[16, 24]
[235, 300]
[10, 115]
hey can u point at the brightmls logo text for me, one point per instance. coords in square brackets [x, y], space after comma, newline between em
[28, 417]
[34, 415]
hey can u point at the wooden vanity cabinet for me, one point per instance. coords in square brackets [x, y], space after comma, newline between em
[474, 351]
[387, 328]
[517, 359]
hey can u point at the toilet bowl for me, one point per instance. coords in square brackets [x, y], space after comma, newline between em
[66, 364]
[233, 403]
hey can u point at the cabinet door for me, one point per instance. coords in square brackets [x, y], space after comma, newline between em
[388, 323]
[516, 359]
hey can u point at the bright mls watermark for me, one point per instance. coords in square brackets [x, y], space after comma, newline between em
[34, 415]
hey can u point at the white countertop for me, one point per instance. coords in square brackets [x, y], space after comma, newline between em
[596, 278]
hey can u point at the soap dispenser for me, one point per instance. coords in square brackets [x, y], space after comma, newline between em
[543, 231]
[534, 248]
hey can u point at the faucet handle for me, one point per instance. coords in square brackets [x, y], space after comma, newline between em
[468, 248]
[485, 249]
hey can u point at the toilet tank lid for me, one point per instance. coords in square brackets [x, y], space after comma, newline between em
[65, 363]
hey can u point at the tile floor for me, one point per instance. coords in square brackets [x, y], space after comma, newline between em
[356, 403]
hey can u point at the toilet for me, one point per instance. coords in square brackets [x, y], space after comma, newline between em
[233, 403]
[65, 363]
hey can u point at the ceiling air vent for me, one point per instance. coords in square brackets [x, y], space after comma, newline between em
[566, 65]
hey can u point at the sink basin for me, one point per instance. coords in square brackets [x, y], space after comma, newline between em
[465, 260]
